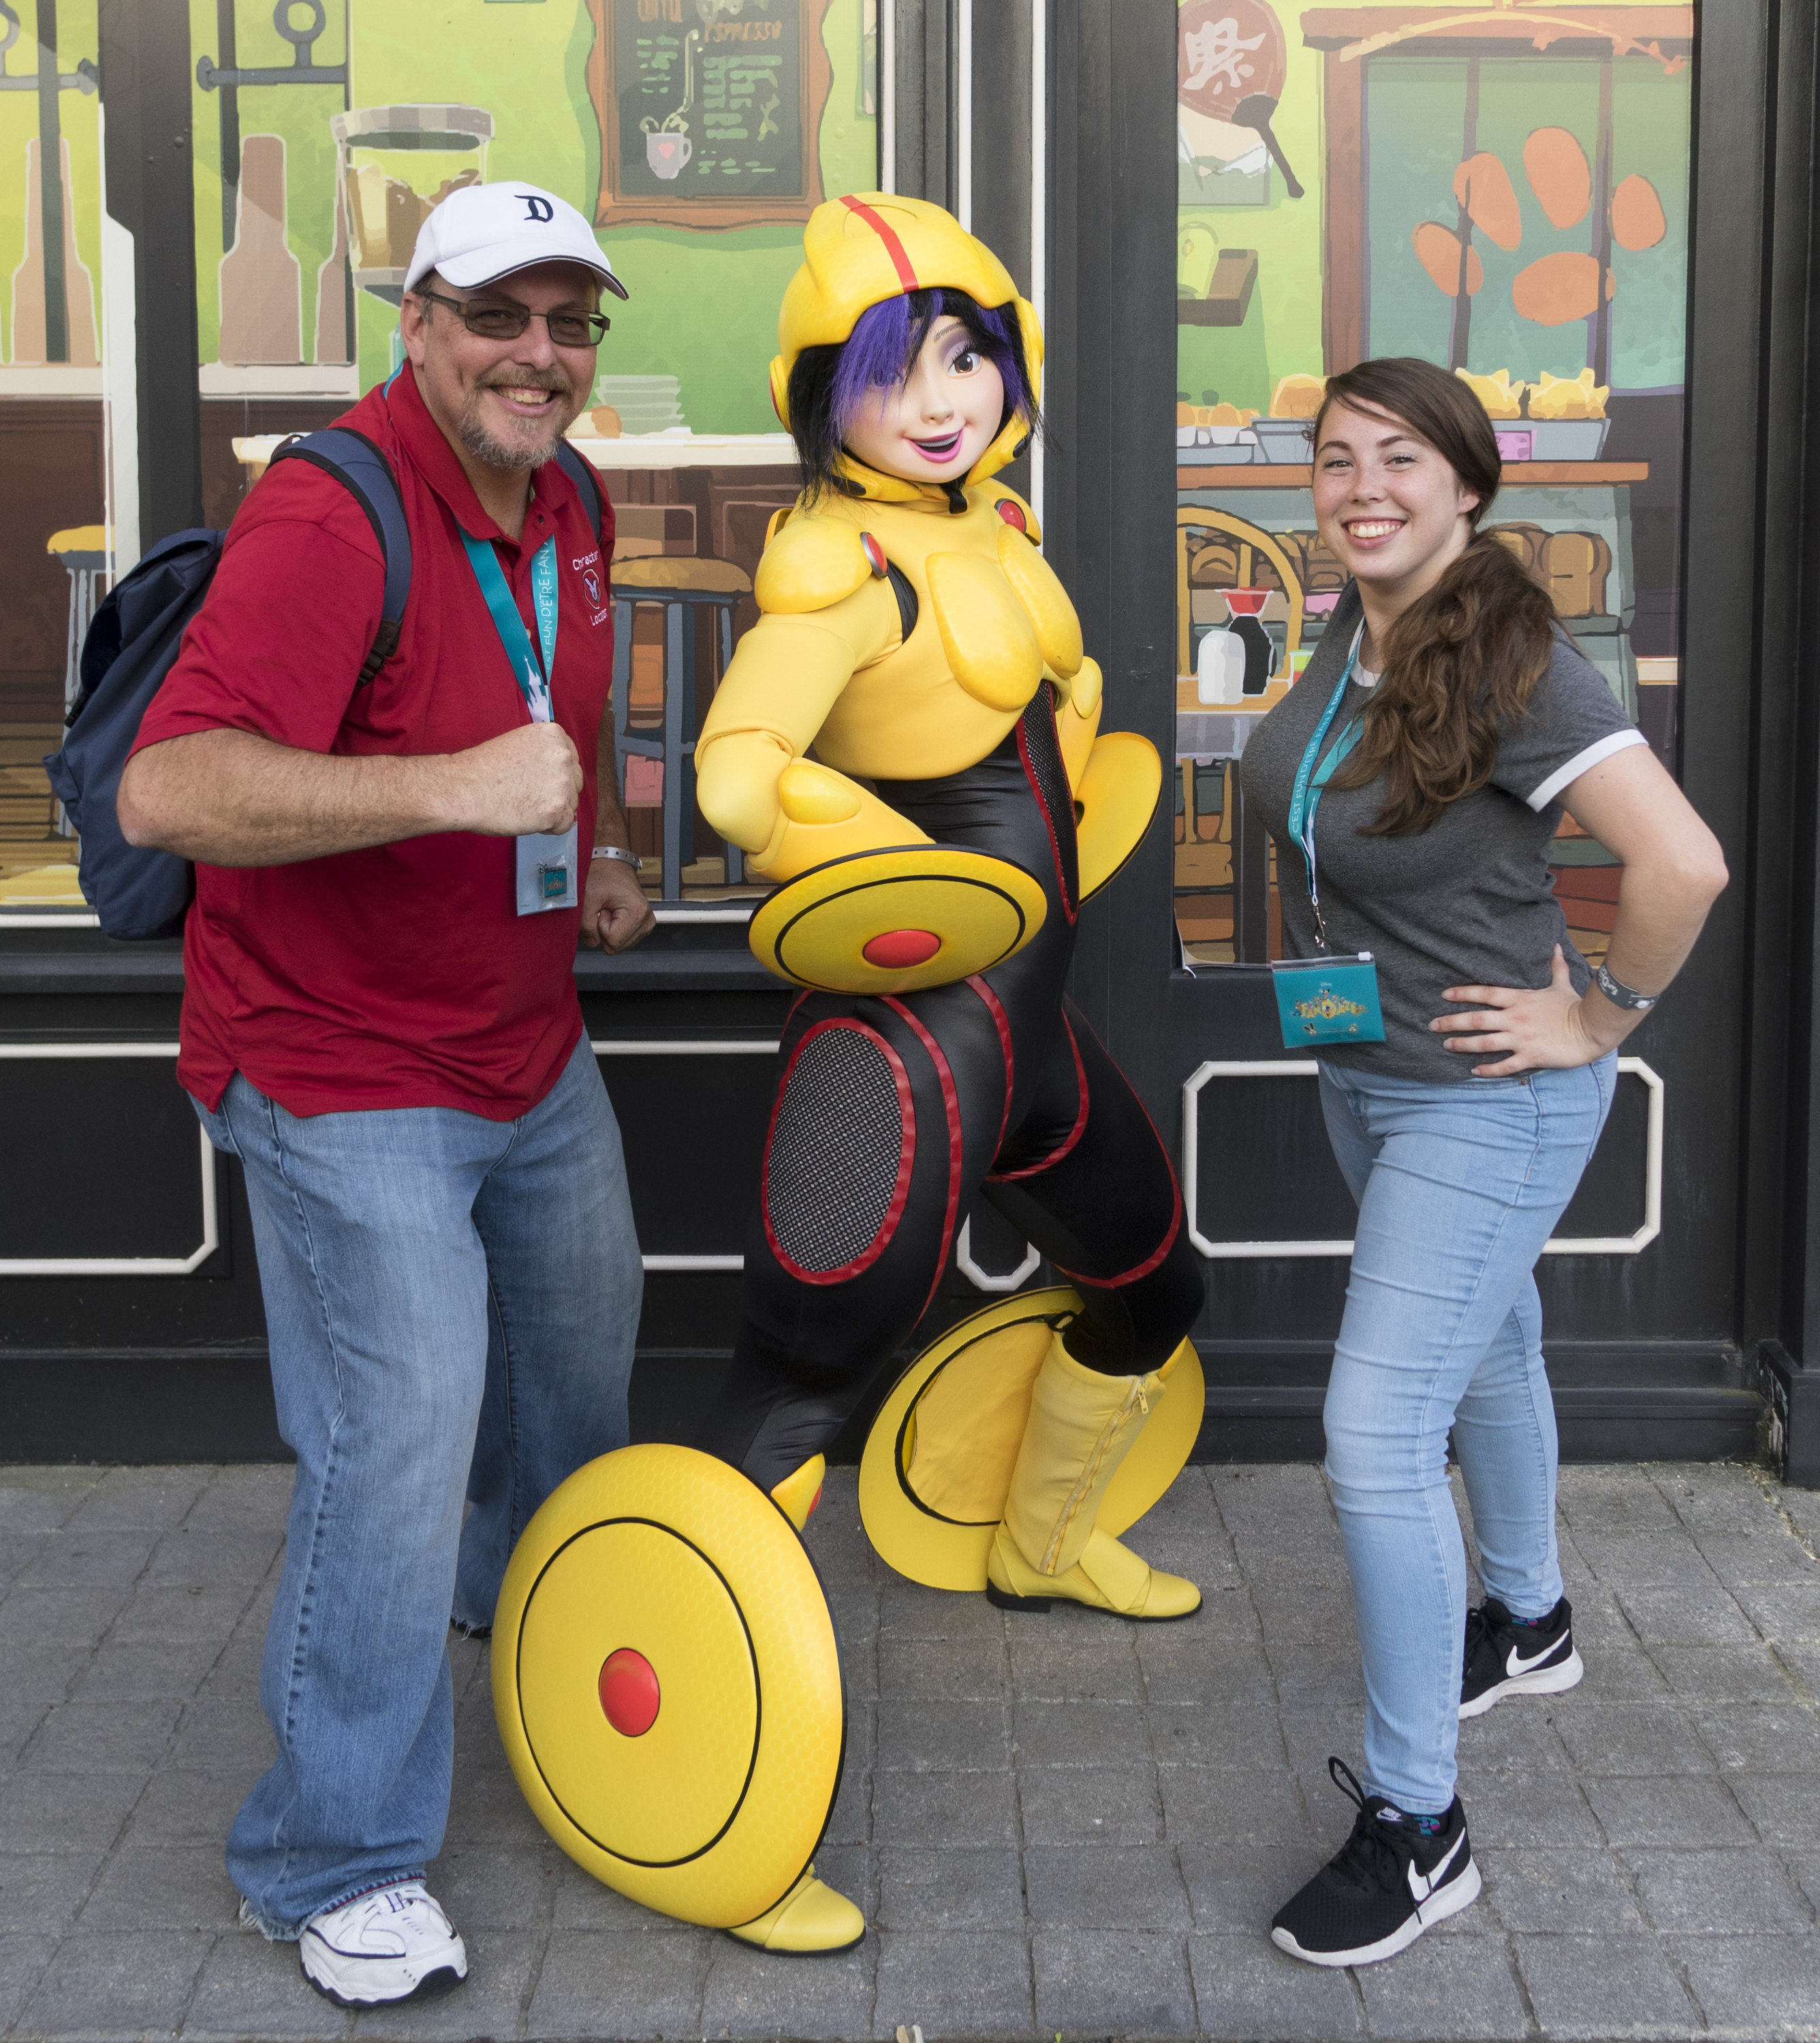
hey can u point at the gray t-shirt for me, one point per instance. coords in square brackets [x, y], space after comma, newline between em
[1468, 902]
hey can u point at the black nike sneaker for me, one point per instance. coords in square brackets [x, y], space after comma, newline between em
[1394, 1878]
[1510, 1656]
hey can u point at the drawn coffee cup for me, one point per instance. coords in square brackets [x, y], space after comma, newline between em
[667, 151]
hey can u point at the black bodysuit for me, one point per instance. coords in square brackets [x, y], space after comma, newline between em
[891, 1113]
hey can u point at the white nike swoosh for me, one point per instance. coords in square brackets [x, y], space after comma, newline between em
[1517, 1664]
[1421, 1885]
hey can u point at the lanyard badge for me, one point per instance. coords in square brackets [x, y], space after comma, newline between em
[1326, 999]
[548, 863]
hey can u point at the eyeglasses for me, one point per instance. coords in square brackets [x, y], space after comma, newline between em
[507, 322]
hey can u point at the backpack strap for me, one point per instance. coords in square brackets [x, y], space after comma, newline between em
[581, 474]
[362, 471]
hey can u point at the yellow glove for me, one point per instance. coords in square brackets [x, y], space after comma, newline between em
[823, 815]
[1077, 719]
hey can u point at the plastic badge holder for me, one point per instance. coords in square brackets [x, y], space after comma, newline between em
[1327, 1000]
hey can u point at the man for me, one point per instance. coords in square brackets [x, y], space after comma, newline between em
[380, 1020]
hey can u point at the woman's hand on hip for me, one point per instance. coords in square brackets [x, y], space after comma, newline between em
[1553, 1029]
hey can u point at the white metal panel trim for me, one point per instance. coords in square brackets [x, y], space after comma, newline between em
[886, 87]
[983, 1280]
[87, 919]
[964, 113]
[622, 1046]
[1617, 1245]
[119, 1266]
[1038, 215]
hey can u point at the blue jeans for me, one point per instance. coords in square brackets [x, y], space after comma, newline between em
[1458, 1187]
[452, 1304]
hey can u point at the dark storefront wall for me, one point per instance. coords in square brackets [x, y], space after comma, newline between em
[1684, 1348]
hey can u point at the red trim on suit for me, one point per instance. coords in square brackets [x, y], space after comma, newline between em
[1001, 1022]
[1074, 1133]
[1150, 1263]
[1140, 1269]
[1069, 908]
[951, 1101]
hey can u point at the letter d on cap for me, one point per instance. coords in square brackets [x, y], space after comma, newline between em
[537, 209]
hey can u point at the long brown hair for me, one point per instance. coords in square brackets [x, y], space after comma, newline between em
[1465, 657]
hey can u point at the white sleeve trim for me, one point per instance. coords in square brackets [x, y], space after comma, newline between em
[1583, 762]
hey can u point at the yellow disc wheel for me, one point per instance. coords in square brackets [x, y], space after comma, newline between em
[1120, 786]
[890, 921]
[667, 1685]
[939, 1457]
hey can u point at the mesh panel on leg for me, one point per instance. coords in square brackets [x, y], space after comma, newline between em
[1049, 774]
[838, 1150]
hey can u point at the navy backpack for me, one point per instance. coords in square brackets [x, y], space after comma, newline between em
[133, 643]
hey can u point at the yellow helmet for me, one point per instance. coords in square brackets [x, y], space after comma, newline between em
[868, 246]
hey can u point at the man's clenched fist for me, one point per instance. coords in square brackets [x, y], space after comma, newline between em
[529, 780]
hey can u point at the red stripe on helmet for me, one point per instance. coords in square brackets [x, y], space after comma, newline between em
[893, 247]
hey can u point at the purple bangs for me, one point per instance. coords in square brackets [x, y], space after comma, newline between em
[887, 337]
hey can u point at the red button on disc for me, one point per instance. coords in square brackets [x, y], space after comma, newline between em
[899, 950]
[629, 1692]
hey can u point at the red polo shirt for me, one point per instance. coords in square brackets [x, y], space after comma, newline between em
[398, 976]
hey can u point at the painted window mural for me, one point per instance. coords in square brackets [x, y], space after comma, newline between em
[1501, 188]
[696, 134]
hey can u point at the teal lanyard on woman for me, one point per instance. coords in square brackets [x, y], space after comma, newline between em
[534, 677]
[1305, 798]
[548, 864]
[1325, 999]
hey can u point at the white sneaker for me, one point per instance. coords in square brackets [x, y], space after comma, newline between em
[390, 1944]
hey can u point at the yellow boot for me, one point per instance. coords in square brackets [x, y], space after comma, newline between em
[811, 1920]
[800, 1491]
[1082, 1425]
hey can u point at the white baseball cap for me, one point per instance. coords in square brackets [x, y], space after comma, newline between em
[483, 232]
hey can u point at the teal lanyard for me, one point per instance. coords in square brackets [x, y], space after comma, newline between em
[533, 676]
[1306, 798]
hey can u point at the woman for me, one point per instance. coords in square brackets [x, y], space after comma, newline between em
[1466, 721]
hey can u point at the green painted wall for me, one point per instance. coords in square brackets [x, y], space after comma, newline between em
[300, 115]
[1281, 335]
[80, 117]
[1415, 132]
[704, 304]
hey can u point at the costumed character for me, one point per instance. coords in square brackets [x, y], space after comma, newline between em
[931, 859]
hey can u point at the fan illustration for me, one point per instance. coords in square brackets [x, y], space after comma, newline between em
[1231, 64]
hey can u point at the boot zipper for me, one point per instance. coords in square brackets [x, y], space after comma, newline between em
[1084, 1482]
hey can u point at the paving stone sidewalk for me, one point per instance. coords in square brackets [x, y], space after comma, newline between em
[1056, 1826]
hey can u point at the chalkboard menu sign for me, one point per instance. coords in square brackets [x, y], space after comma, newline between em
[709, 109]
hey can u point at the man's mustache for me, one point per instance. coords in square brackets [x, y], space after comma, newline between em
[529, 379]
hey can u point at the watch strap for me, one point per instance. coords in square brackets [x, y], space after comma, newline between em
[1620, 995]
[617, 851]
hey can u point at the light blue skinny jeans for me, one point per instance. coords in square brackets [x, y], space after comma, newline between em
[1458, 1187]
[452, 1304]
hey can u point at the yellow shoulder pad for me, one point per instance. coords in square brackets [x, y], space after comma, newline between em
[810, 564]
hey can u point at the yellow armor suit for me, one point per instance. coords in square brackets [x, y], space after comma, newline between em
[907, 744]
[904, 627]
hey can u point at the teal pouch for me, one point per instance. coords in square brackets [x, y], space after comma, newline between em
[1327, 1000]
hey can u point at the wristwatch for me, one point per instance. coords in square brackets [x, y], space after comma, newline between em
[617, 851]
[1620, 995]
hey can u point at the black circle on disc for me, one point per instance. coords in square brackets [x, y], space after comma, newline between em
[934, 1377]
[758, 1695]
[898, 879]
